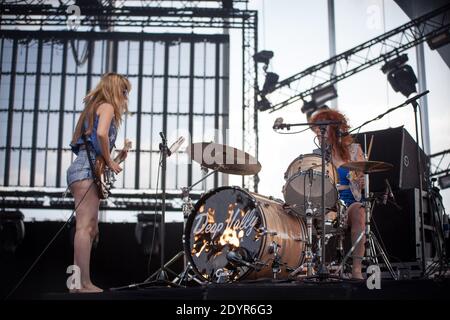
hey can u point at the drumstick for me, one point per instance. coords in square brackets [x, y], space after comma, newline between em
[370, 147]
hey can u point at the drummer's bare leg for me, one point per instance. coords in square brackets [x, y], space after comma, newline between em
[356, 221]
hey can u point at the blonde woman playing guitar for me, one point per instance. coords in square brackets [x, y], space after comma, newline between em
[97, 130]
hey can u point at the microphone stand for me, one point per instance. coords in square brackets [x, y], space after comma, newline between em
[323, 272]
[413, 102]
[419, 169]
[165, 152]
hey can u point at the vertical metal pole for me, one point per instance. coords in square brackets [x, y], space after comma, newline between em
[164, 155]
[255, 98]
[37, 92]
[225, 96]
[243, 96]
[152, 119]
[12, 87]
[191, 105]
[424, 99]
[137, 171]
[216, 103]
[332, 42]
[419, 170]
[61, 115]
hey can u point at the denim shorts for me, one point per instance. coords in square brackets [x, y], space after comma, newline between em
[80, 168]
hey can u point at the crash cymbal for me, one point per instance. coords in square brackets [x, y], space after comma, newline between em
[368, 166]
[223, 158]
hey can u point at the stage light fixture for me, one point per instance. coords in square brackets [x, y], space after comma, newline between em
[144, 230]
[12, 230]
[318, 99]
[263, 56]
[263, 104]
[270, 83]
[439, 40]
[400, 75]
[444, 181]
[322, 95]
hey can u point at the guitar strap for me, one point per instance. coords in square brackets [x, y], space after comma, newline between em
[91, 164]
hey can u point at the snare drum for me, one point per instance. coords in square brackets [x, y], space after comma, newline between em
[303, 184]
[233, 234]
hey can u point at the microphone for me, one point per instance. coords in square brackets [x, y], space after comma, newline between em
[341, 134]
[236, 258]
[278, 123]
[391, 194]
[176, 145]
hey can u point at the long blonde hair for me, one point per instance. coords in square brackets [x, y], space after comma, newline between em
[113, 89]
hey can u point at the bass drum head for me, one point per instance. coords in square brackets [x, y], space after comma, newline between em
[224, 220]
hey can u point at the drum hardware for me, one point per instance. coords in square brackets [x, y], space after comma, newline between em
[276, 262]
[373, 249]
[308, 251]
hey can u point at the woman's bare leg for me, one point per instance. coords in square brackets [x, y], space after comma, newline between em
[86, 229]
[356, 221]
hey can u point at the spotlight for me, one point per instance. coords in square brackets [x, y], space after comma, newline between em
[263, 56]
[439, 40]
[309, 107]
[146, 231]
[444, 181]
[400, 75]
[318, 99]
[270, 83]
[322, 95]
[12, 230]
[263, 104]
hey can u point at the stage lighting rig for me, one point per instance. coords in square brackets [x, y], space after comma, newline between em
[400, 75]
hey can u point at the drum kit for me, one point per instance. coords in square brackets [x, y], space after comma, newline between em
[232, 234]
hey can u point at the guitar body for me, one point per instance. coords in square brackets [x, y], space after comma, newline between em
[101, 173]
[105, 177]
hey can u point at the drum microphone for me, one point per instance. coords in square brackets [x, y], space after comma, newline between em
[278, 123]
[176, 145]
[391, 194]
[235, 257]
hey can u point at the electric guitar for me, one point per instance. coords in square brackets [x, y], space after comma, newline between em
[105, 175]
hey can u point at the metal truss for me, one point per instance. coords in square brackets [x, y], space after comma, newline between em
[382, 48]
[438, 165]
[31, 198]
[47, 16]
[139, 16]
[249, 88]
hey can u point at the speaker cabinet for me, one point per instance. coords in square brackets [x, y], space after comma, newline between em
[397, 147]
[399, 229]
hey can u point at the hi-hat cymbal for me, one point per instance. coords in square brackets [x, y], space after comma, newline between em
[223, 158]
[368, 166]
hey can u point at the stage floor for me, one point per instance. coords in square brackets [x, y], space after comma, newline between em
[270, 290]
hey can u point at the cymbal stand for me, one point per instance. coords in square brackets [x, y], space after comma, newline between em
[371, 243]
[187, 208]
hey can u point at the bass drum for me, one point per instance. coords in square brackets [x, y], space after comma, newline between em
[233, 234]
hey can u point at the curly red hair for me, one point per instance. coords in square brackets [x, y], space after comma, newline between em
[341, 147]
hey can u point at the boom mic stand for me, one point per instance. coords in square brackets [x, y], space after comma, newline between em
[165, 152]
[413, 102]
[323, 272]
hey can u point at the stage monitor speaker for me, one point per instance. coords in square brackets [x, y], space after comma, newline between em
[397, 147]
[399, 229]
